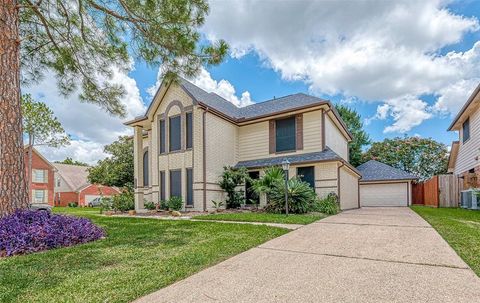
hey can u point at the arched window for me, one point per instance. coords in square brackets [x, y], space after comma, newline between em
[145, 168]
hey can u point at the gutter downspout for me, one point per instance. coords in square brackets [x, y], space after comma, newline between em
[204, 159]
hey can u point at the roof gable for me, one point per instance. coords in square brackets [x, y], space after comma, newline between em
[378, 171]
[471, 105]
[74, 175]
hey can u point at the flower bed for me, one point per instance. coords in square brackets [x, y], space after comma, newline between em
[28, 231]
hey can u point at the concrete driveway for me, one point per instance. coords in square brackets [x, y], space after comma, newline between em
[364, 255]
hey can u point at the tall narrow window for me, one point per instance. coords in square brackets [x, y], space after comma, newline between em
[39, 196]
[285, 134]
[175, 183]
[162, 136]
[466, 130]
[162, 186]
[174, 129]
[189, 187]
[145, 168]
[189, 130]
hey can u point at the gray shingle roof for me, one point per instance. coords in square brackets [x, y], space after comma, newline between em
[325, 155]
[378, 171]
[254, 110]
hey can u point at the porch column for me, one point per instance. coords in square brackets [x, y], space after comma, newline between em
[138, 167]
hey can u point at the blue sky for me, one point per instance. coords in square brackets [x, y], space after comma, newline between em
[406, 66]
[249, 73]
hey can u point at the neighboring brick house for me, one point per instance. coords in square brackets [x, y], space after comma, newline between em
[42, 178]
[187, 136]
[464, 159]
[71, 185]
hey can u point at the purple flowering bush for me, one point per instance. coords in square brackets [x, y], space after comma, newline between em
[27, 231]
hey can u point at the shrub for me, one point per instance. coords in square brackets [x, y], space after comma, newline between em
[72, 204]
[301, 197]
[123, 201]
[231, 178]
[150, 205]
[175, 203]
[163, 204]
[265, 184]
[217, 204]
[329, 205]
[27, 231]
[106, 204]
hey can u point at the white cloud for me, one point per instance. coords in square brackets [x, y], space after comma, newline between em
[222, 88]
[377, 51]
[90, 127]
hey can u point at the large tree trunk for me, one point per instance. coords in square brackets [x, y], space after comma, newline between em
[29, 167]
[13, 193]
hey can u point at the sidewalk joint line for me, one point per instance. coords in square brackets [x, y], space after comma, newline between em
[362, 258]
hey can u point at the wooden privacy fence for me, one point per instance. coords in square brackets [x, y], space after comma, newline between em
[439, 191]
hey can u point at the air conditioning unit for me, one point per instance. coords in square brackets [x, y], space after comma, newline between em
[469, 199]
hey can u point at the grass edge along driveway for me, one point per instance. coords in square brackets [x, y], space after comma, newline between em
[138, 257]
[460, 228]
[263, 217]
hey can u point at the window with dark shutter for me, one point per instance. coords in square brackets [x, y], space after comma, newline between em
[466, 130]
[285, 134]
[189, 187]
[189, 130]
[175, 183]
[174, 129]
[162, 136]
[162, 186]
[145, 168]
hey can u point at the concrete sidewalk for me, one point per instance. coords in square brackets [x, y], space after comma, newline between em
[365, 255]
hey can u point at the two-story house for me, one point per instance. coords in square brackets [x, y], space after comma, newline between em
[187, 136]
[465, 153]
[41, 176]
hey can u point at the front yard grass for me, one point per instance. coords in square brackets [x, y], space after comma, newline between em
[264, 217]
[460, 228]
[137, 257]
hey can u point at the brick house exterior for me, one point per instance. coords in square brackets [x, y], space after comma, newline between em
[42, 176]
[72, 186]
[188, 135]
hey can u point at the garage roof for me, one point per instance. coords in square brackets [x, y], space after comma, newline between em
[378, 171]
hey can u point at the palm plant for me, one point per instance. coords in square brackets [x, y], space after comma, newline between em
[266, 183]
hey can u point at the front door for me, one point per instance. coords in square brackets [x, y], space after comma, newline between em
[307, 174]
[250, 196]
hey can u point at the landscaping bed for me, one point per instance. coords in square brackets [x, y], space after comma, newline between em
[263, 217]
[137, 257]
[460, 228]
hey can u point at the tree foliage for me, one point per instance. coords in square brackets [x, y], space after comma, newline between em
[423, 157]
[70, 161]
[360, 137]
[117, 169]
[40, 124]
[84, 42]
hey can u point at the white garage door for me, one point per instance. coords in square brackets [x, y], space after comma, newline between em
[384, 194]
[89, 198]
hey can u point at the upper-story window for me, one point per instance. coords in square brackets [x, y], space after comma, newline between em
[189, 130]
[174, 130]
[162, 136]
[145, 168]
[466, 130]
[39, 176]
[285, 131]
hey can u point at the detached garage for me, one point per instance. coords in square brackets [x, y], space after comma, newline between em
[383, 185]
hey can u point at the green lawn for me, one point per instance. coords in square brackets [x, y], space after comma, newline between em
[264, 217]
[138, 257]
[460, 228]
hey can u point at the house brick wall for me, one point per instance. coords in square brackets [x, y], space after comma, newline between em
[63, 198]
[95, 189]
[39, 163]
